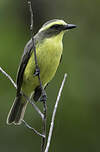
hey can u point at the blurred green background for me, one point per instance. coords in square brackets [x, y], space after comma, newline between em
[77, 121]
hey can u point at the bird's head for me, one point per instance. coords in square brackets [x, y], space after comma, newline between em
[54, 27]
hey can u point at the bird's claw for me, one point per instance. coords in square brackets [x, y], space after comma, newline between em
[43, 97]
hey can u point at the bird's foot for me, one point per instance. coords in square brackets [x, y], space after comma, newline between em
[37, 71]
[43, 96]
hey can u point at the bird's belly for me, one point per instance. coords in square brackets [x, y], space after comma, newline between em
[48, 66]
[48, 61]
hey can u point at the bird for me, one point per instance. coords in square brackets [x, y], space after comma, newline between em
[49, 48]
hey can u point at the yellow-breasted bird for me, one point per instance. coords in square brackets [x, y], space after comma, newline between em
[49, 47]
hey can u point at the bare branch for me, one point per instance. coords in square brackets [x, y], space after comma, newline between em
[35, 131]
[44, 126]
[9, 77]
[31, 12]
[32, 36]
[54, 113]
[37, 73]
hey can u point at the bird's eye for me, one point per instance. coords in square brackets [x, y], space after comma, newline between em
[56, 26]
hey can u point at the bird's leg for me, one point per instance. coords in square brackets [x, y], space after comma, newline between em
[43, 95]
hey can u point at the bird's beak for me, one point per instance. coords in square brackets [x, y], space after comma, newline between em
[69, 26]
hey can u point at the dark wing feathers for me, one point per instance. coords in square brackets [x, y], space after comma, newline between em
[25, 57]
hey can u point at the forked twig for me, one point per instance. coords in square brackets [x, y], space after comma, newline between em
[54, 113]
[39, 112]
[33, 104]
[28, 126]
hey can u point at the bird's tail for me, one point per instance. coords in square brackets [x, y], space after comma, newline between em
[17, 111]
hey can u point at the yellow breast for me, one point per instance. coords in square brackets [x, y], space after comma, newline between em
[48, 57]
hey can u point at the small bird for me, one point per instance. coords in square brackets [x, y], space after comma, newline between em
[49, 47]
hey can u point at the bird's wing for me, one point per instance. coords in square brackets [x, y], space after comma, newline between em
[24, 60]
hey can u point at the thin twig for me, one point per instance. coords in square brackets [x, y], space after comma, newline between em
[29, 127]
[54, 113]
[44, 126]
[32, 36]
[9, 77]
[37, 73]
